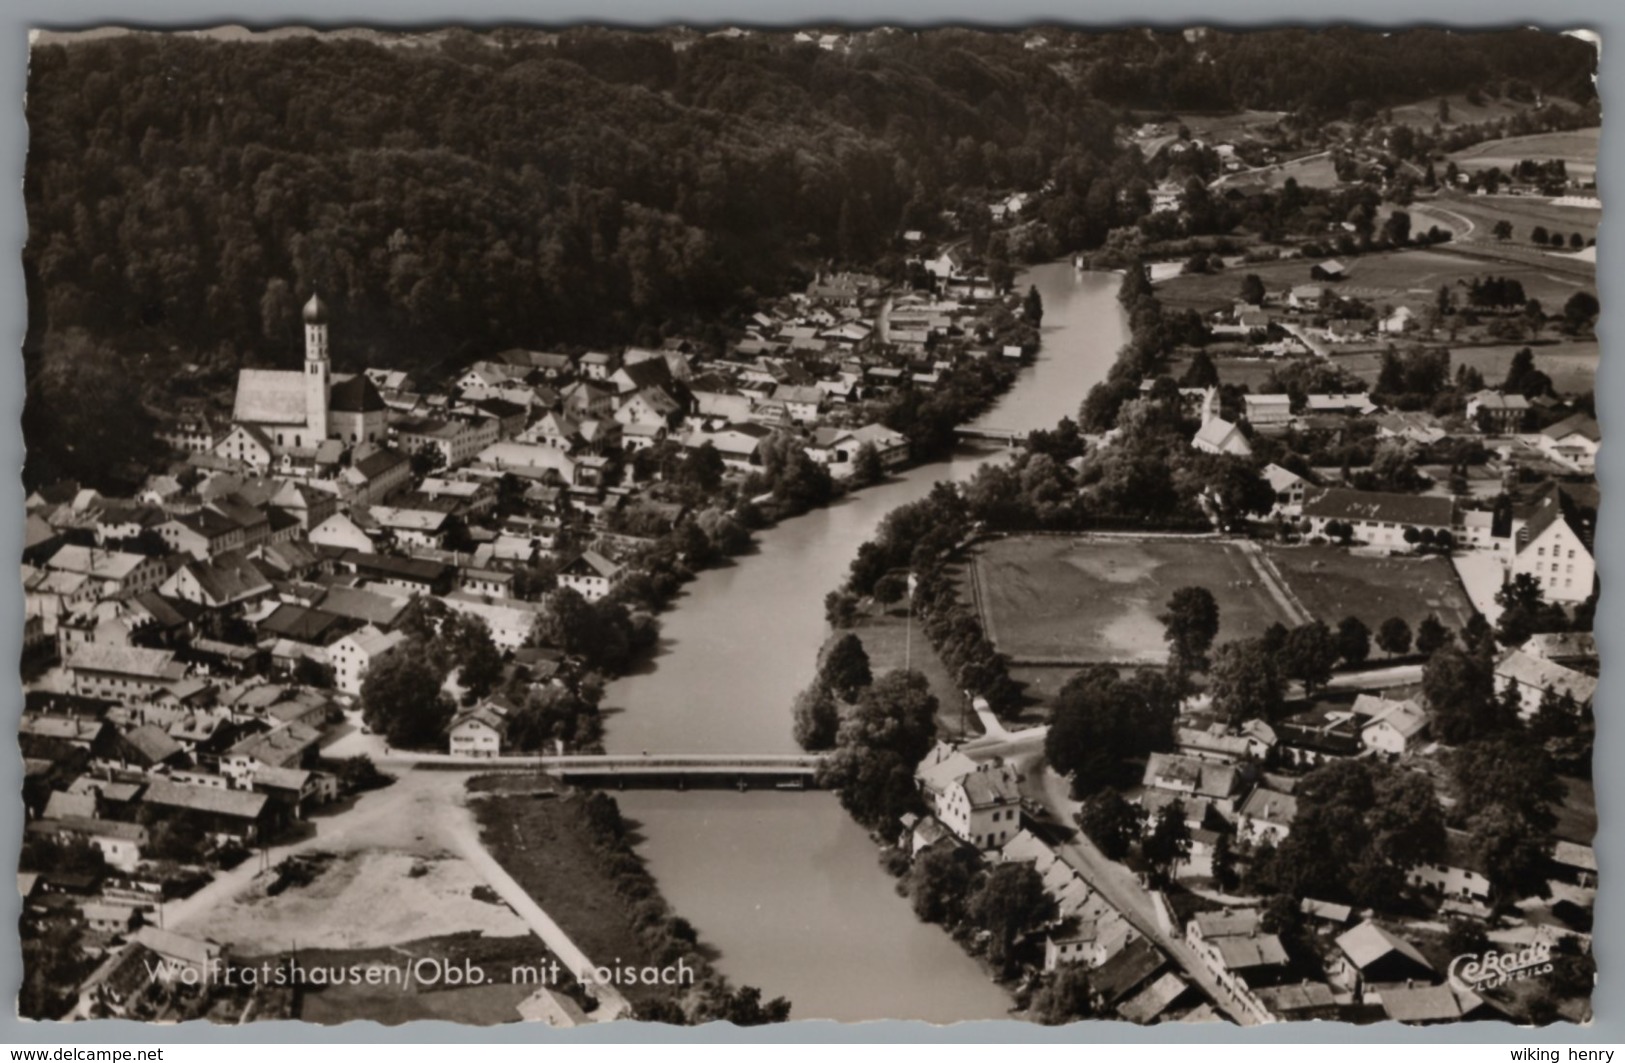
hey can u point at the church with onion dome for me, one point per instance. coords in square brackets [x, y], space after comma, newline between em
[310, 412]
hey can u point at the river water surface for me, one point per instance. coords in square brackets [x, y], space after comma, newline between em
[783, 884]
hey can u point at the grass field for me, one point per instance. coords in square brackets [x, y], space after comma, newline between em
[1394, 278]
[1577, 148]
[1571, 365]
[1240, 125]
[1332, 583]
[1524, 212]
[1097, 599]
[1310, 171]
[1243, 372]
[885, 640]
[1425, 113]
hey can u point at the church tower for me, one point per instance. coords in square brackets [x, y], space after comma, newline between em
[317, 370]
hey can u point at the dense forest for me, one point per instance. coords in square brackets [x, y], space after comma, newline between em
[1325, 74]
[460, 194]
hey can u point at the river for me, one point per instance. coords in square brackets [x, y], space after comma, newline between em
[784, 885]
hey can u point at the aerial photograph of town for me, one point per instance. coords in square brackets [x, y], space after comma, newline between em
[705, 523]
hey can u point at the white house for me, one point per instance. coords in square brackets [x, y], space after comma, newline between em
[982, 808]
[1289, 489]
[1549, 550]
[1219, 436]
[341, 532]
[355, 653]
[1266, 816]
[1267, 409]
[478, 731]
[590, 574]
[1398, 321]
[1573, 441]
[1392, 727]
[1460, 874]
[1532, 676]
[1379, 518]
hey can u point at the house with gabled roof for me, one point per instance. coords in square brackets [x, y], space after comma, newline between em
[354, 654]
[121, 673]
[479, 730]
[1574, 441]
[590, 574]
[1532, 676]
[1219, 436]
[1392, 727]
[1372, 954]
[1379, 518]
[1190, 776]
[1266, 816]
[1462, 873]
[240, 814]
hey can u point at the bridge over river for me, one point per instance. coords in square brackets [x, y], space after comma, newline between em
[671, 771]
[1009, 437]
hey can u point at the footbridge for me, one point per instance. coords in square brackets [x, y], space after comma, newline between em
[1009, 437]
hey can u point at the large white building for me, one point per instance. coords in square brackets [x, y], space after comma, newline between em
[354, 654]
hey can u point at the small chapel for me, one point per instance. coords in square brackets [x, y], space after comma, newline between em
[294, 412]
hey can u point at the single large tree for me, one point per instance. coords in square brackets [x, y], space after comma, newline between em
[402, 700]
[1169, 841]
[878, 746]
[845, 669]
[1252, 290]
[1111, 822]
[1394, 636]
[1353, 641]
[1011, 902]
[1189, 626]
[1032, 307]
[1431, 635]
[1309, 654]
[939, 883]
[1102, 721]
[817, 718]
[1459, 685]
[1245, 682]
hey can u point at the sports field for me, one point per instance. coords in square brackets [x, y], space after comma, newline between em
[1087, 599]
[1332, 583]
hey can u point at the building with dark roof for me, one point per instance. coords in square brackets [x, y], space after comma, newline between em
[1379, 518]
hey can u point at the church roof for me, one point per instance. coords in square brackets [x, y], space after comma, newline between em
[315, 311]
[269, 396]
[355, 395]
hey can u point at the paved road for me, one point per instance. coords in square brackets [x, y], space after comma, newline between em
[1120, 886]
[1398, 675]
[1319, 349]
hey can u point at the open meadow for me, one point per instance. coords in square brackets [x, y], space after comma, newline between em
[1576, 147]
[1393, 278]
[1571, 364]
[1424, 114]
[1332, 583]
[1472, 219]
[1088, 599]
